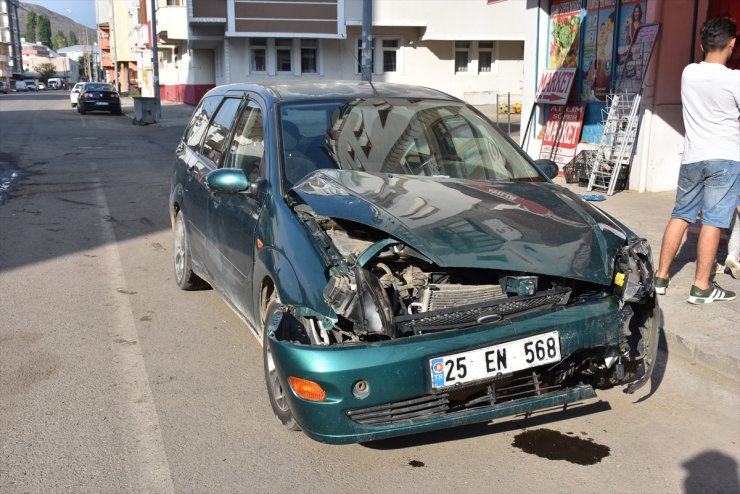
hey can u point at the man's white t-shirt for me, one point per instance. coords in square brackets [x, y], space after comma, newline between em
[710, 93]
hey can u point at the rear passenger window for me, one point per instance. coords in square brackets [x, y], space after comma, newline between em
[218, 131]
[199, 122]
[248, 145]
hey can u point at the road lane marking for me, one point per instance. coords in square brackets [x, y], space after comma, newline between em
[151, 457]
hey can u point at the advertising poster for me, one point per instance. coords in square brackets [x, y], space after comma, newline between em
[565, 28]
[599, 28]
[631, 18]
[562, 133]
[636, 59]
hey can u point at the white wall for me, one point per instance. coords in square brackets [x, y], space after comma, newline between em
[655, 167]
[447, 19]
[202, 67]
[427, 63]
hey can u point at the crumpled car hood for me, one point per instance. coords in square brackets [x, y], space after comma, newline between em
[527, 227]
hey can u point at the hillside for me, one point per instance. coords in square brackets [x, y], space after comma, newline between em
[58, 22]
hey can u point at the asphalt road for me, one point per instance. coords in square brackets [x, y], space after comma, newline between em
[113, 380]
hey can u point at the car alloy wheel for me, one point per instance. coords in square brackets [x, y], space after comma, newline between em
[275, 391]
[185, 278]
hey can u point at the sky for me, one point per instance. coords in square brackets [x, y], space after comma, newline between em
[82, 11]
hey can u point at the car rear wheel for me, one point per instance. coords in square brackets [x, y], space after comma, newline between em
[185, 278]
[275, 391]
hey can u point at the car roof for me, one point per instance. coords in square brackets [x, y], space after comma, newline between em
[305, 90]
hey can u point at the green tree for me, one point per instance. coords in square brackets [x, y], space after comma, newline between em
[46, 69]
[82, 62]
[31, 21]
[44, 30]
[60, 40]
[72, 38]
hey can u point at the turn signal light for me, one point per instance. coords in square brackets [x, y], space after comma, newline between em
[308, 390]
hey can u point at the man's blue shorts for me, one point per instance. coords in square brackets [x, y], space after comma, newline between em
[711, 187]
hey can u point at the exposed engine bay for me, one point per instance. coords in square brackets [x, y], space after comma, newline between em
[381, 289]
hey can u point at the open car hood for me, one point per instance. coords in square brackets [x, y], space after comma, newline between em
[527, 227]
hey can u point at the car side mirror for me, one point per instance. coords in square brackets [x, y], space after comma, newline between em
[227, 180]
[548, 167]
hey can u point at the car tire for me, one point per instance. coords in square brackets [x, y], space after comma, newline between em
[185, 278]
[74, 105]
[80, 109]
[275, 392]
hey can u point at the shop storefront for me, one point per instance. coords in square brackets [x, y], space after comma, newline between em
[592, 39]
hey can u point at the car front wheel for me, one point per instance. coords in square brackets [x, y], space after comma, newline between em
[185, 278]
[275, 391]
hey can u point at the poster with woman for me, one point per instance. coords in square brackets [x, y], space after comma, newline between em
[596, 66]
[565, 28]
[631, 18]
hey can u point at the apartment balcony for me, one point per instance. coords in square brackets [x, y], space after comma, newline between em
[104, 43]
[172, 23]
[107, 62]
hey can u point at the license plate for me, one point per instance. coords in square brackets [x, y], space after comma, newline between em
[495, 360]
[102, 103]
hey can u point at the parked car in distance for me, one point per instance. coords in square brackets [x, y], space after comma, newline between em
[407, 267]
[3, 87]
[20, 86]
[75, 93]
[54, 83]
[41, 86]
[98, 96]
[31, 84]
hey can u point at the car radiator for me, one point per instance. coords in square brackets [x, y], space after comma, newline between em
[450, 310]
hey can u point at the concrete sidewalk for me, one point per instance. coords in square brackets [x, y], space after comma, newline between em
[708, 335]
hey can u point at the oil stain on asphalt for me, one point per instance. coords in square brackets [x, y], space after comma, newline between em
[555, 445]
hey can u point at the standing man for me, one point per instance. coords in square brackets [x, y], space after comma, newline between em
[708, 180]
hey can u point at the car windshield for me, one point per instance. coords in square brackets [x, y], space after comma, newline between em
[98, 87]
[396, 135]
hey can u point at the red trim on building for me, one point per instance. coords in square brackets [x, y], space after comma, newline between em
[184, 93]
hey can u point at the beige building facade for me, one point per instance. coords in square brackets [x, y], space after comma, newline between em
[467, 48]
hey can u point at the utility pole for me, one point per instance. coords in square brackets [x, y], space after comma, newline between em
[155, 60]
[88, 67]
[114, 45]
[367, 40]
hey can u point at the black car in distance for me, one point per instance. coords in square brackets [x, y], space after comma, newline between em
[98, 96]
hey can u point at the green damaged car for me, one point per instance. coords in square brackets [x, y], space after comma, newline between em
[406, 266]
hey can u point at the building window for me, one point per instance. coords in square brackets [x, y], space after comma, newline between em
[462, 56]
[309, 56]
[284, 53]
[485, 57]
[390, 55]
[258, 54]
[359, 56]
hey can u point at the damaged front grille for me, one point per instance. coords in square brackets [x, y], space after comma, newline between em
[470, 315]
[519, 386]
[440, 297]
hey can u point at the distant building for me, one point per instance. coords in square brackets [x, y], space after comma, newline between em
[114, 26]
[11, 65]
[467, 48]
[35, 49]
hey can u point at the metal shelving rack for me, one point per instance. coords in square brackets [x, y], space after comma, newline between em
[617, 144]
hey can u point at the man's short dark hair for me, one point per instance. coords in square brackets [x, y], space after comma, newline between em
[716, 33]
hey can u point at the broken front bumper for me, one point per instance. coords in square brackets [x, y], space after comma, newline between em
[401, 399]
